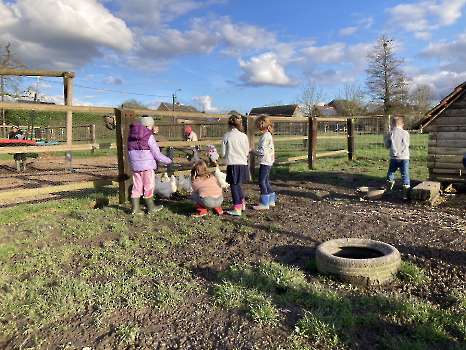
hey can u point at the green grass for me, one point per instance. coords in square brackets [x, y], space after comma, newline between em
[52, 268]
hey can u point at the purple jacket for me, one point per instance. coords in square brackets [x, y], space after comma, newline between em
[143, 150]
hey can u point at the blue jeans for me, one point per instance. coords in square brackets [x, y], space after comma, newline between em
[264, 185]
[236, 194]
[403, 164]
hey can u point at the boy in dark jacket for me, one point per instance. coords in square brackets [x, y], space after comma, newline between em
[142, 155]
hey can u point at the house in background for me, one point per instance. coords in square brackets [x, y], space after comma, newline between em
[346, 108]
[278, 111]
[446, 125]
[323, 111]
[164, 106]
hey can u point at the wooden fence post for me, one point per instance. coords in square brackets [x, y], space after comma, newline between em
[123, 118]
[93, 137]
[312, 136]
[350, 128]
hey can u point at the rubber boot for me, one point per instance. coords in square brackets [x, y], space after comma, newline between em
[151, 207]
[236, 211]
[18, 166]
[201, 211]
[24, 166]
[218, 210]
[271, 199]
[389, 186]
[263, 202]
[135, 206]
[406, 190]
[243, 205]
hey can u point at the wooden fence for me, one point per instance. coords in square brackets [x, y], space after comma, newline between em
[125, 117]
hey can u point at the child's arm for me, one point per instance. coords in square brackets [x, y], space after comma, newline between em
[156, 153]
[388, 140]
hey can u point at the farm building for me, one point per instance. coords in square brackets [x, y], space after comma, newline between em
[324, 111]
[278, 111]
[446, 125]
[164, 106]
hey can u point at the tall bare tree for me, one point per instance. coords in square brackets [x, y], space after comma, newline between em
[385, 80]
[311, 94]
[9, 85]
[133, 103]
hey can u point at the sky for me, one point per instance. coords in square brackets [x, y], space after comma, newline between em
[220, 55]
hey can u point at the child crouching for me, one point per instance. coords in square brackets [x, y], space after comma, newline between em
[207, 192]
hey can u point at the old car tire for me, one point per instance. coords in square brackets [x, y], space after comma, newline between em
[378, 270]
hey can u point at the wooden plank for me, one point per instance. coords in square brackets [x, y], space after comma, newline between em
[35, 73]
[450, 128]
[455, 135]
[461, 172]
[447, 143]
[445, 158]
[54, 189]
[440, 165]
[457, 119]
[56, 148]
[446, 151]
[446, 178]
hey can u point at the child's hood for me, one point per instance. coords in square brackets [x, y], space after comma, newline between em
[137, 131]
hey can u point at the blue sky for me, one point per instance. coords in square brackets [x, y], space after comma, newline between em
[227, 54]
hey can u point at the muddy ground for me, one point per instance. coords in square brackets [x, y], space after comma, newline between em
[309, 211]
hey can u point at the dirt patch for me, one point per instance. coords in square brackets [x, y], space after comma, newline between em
[309, 211]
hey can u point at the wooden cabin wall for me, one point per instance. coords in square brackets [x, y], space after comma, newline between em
[447, 143]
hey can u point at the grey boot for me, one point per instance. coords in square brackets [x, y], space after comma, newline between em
[406, 190]
[135, 206]
[151, 207]
[389, 186]
[18, 166]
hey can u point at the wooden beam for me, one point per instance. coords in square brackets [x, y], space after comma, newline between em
[123, 118]
[35, 73]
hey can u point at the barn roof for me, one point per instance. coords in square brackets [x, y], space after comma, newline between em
[164, 106]
[444, 104]
[326, 111]
[284, 111]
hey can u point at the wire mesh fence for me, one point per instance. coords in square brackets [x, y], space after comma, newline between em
[47, 169]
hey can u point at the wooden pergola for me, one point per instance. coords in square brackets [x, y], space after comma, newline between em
[67, 91]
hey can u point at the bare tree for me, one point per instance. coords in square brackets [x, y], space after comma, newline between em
[422, 98]
[385, 81]
[350, 100]
[10, 85]
[133, 103]
[310, 95]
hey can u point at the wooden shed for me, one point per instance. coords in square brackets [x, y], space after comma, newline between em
[446, 125]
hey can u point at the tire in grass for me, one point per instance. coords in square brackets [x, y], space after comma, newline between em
[362, 262]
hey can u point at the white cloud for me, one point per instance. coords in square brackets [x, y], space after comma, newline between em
[265, 70]
[444, 81]
[7, 15]
[441, 50]
[205, 104]
[422, 36]
[367, 22]
[325, 54]
[172, 43]
[43, 86]
[69, 20]
[347, 31]
[243, 34]
[113, 81]
[425, 15]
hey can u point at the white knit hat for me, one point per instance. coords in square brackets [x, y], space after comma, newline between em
[145, 120]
